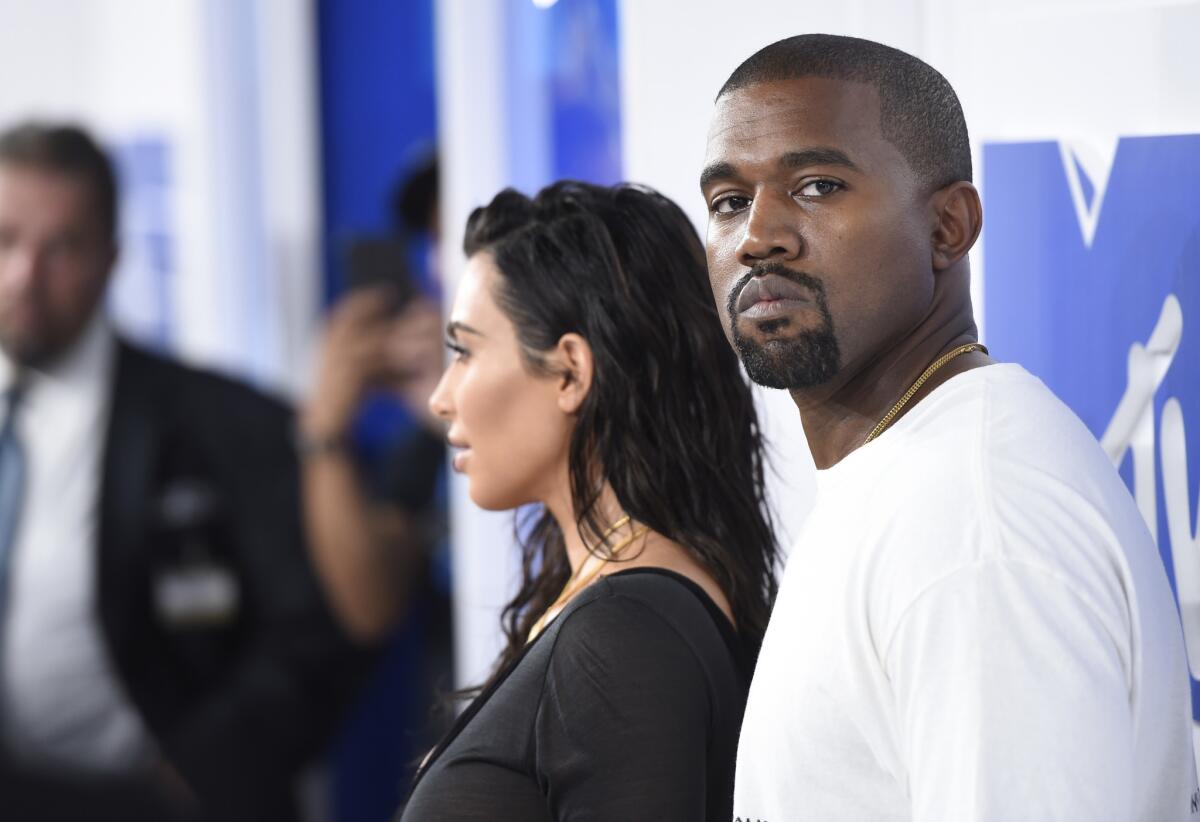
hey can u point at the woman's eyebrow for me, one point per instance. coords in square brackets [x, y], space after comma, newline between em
[454, 326]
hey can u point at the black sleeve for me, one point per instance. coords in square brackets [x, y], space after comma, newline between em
[297, 670]
[623, 724]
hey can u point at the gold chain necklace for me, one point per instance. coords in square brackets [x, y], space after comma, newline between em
[575, 584]
[908, 395]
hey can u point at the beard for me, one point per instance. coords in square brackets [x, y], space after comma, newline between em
[806, 360]
[33, 349]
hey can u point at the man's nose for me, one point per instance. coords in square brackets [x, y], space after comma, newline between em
[771, 232]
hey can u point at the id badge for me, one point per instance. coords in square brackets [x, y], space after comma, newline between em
[196, 594]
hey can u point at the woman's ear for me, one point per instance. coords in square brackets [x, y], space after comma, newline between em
[573, 358]
[957, 219]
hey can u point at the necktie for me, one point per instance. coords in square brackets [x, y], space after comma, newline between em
[12, 486]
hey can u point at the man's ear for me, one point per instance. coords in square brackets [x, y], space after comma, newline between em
[957, 220]
[574, 363]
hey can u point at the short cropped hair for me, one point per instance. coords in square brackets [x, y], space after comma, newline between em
[69, 150]
[919, 112]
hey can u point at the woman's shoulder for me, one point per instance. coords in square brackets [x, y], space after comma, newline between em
[647, 616]
[656, 595]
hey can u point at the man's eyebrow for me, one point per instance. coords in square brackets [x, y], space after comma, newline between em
[821, 156]
[816, 157]
[454, 326]
[716, 171]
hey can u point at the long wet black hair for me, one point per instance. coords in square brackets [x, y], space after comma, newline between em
[669, 421]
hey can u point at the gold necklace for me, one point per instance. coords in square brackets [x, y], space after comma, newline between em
[908, 395]
[575, 584]
[608, 532]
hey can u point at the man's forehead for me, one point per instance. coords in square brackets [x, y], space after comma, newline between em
[51, 193]
[809, 110]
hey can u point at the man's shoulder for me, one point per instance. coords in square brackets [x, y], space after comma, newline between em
[993, 428]
[1034, 447]
[197, 392]
[1004, 471]
[994, 464]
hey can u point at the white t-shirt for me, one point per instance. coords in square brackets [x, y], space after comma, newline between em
[973, 626]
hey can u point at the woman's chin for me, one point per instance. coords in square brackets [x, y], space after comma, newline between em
[487, 498]
[496, 499]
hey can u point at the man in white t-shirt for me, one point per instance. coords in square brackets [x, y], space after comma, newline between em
[974, 623]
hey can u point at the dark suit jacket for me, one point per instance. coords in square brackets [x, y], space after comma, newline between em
[200, 482]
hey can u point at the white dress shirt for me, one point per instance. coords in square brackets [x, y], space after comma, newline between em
[62, 703]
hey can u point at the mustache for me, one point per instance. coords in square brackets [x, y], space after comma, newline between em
[802, 278]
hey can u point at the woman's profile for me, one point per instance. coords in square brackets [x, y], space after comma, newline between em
[592, 383]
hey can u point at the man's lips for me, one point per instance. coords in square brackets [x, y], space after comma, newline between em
[769, 295]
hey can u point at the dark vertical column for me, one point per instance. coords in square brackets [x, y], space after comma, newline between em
[378, 112]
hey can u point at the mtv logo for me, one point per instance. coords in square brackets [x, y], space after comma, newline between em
[1092, 282]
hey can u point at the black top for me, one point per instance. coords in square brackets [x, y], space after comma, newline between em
[627, 706]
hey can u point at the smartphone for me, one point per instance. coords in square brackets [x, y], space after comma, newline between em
[376, 261]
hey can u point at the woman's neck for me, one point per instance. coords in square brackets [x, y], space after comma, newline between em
[579, 545]
[651, 550]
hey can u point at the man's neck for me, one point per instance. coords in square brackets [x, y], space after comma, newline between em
[84, 365]
[839, 415]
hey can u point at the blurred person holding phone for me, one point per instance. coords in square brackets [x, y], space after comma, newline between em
[165, 650]
[374, 467]
[590, 380]
[383, 335]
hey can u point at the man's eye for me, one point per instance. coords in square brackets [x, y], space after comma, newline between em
[64, 247]
[819, 188]
[728, 205]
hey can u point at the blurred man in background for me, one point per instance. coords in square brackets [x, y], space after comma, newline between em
[164, 645]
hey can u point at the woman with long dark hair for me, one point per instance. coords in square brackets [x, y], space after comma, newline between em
[591, 376]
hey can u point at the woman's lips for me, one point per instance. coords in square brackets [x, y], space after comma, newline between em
[461, 450]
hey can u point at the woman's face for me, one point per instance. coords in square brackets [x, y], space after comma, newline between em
[510, 434]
